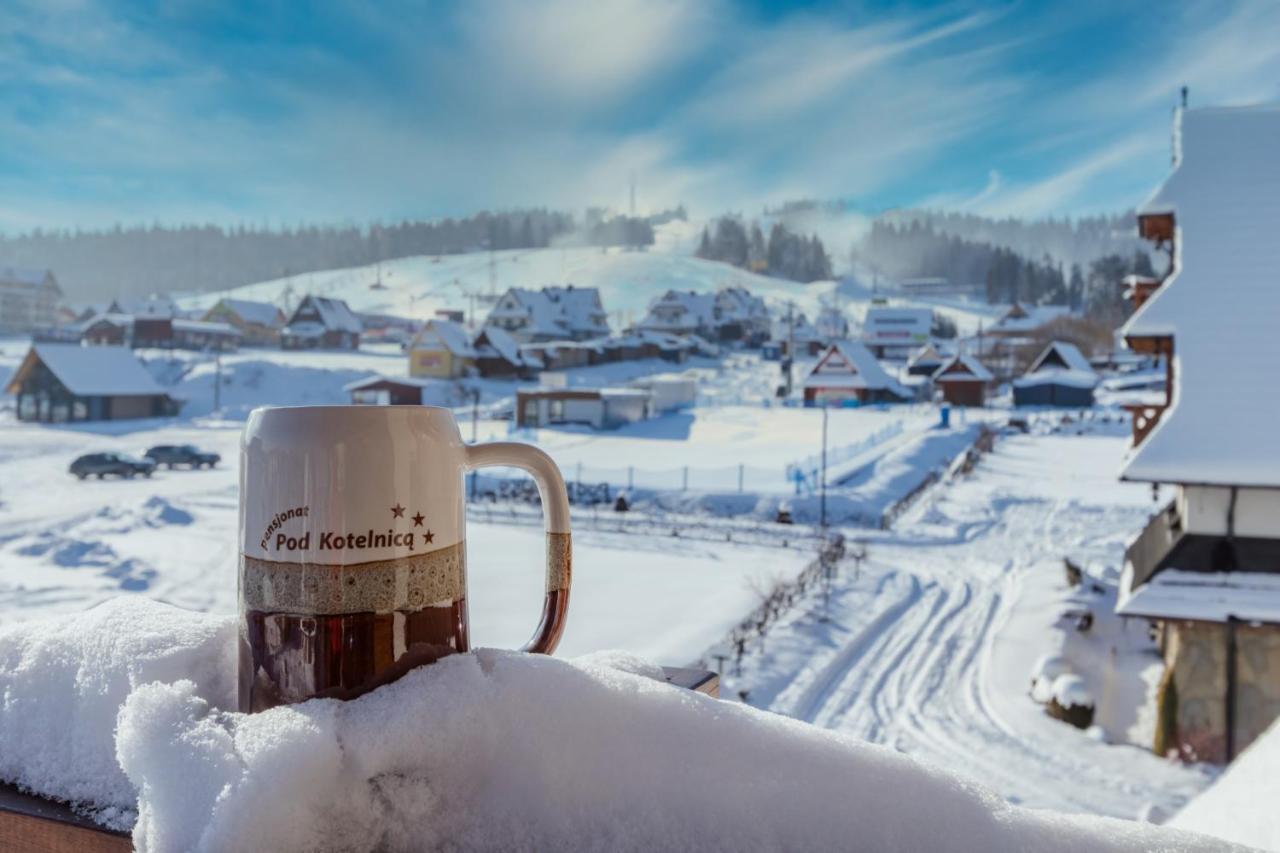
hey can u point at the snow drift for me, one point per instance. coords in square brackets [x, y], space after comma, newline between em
[1241, 805]
[491, 750]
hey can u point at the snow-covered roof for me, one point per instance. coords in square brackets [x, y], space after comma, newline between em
[260, 313]
[1025, 318]
[556, 310]
[493, 341]
[885, 325]
[378, 379]
[89, 371]
[1057, 376]
[207, 326]
[681, 310]
[1221, 304]
[29, 277]
[155, 305]
[962, 367]
[444, 333]
[335, 315]
[1063, 355]
[1207, 596]
[927, 354]
[849, 364]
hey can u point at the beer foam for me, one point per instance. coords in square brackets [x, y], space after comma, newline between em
[379, 586]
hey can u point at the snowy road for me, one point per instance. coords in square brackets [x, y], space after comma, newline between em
[929, 647]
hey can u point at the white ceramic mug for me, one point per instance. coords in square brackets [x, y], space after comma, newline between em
[353, 547]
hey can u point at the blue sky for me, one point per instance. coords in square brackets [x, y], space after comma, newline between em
[356, 111]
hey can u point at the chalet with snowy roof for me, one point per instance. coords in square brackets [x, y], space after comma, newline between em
[387, 390]
[61, 383]
[566, 313]
[109, 330]
[1019, 320]
[441, 350]
[729, 314]
[963, 380]
[795, 329]
[259, 323]
[560, 355]
[740, 315]
[847, 374]
[1059, 376]
[320, 322]
[1206, 569]
[925, 361]
[28, 299]
[895, 333]
[159, 332]
[155, 305]
[498, 356]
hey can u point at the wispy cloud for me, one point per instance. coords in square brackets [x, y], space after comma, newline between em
[361, 111]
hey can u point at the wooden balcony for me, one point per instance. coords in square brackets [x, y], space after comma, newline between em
[1145, 418]
[1139, 288]
[1156, 227]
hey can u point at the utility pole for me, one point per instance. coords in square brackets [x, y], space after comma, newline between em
[822, 484]
[217, 378]
[791, 344]
[475, 422]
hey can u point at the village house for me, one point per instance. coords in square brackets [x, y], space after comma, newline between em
[925, 361]
[795, 330]
[259, 323]
[847, 374]
[599, 408]
[963, 380]
[158, 332]
[1059, 376]
[551, 314]
[387, 391]
[498, 356]
[321, 323]
[59, 383]
[441, 350]
[729, 314]
[380, 328]
[1020, 321]
[895, 333]
[1205, 571]
[155, 305]
[28, 299]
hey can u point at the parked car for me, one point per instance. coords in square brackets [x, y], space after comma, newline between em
[171, 455]
[120, 464]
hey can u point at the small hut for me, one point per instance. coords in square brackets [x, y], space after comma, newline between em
[963, 380]
[1059, 376]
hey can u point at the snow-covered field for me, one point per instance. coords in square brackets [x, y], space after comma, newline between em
[929, 648]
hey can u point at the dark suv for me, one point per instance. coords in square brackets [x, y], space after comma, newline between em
[120, 464]
[182, 454]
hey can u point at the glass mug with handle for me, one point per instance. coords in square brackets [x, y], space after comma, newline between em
[353, 547]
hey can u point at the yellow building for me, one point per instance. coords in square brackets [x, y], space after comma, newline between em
[441, 350]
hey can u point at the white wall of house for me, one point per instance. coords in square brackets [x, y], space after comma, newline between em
[1203, 509]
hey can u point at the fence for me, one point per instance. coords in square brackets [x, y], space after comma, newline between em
[656, 523]
[808, 469]
[739, 478]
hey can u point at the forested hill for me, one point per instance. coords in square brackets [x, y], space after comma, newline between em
[100, 265]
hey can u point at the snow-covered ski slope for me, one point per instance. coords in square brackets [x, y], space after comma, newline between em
[628, 281]
[929, 648]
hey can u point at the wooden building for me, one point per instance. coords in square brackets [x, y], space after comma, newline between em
[1059, 376]
[59, 383]
[387, 391]
[441, 350]
[28, 299]
[847, 374]
[599, 408]
[963, 380]
[1205, 571]
[498, 356]
[259, 323]
[925, 361]
[321, 323]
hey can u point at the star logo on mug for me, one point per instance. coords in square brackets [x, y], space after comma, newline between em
[428, 536]
[397, 511]
[417, 520]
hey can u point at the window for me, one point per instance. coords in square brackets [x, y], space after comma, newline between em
[555, 412]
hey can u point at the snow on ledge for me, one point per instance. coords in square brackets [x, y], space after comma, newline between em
[1209, 597]
[491, 750]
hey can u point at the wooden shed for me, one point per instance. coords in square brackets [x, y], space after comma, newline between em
[963, 380]
[58, 383]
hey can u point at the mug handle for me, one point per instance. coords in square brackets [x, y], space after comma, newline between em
[555, 512]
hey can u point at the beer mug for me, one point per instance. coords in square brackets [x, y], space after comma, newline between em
[353, 547]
